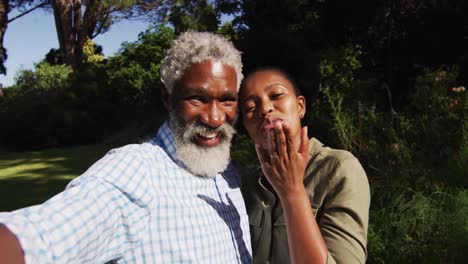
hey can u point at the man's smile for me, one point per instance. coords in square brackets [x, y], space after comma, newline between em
[208, 139]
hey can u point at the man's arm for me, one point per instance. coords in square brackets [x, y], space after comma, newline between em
[10, 248]
[100, 217]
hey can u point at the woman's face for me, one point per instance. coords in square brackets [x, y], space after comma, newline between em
[267, 99]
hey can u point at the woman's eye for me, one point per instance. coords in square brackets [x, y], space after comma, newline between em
[276, 95]
[249, 109]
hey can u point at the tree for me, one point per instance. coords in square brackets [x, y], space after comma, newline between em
[5, 7]
[193, 14]
[79, 20]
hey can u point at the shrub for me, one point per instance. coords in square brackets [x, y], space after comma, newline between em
[91, 52]
[134, 73]
[44, 76]
[415, 160]
[428, 225]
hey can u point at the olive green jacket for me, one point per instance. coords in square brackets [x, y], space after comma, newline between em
[339, 196]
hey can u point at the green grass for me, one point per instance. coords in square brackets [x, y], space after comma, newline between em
[28, 178]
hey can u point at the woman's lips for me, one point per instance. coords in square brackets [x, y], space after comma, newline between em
[271, 123]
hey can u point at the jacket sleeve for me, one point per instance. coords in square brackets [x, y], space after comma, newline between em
[346, 213]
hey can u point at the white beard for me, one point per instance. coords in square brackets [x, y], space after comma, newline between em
[201, 161]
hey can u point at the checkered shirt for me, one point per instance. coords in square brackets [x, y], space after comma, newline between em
[138, 205]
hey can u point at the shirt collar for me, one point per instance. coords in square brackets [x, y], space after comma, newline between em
[165, 139]
[314, 148]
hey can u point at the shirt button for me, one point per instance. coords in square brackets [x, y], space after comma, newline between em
[265, 204]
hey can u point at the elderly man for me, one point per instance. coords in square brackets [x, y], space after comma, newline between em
[174, 199]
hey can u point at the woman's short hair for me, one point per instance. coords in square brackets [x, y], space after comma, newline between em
[282, 72]
[194, 47]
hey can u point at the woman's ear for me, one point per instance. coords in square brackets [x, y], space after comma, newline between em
[301, 103]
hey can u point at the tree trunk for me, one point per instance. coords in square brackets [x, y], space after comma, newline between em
[4, 6]
[65, 23]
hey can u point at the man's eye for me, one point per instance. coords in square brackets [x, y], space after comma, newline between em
[228, 101]
[195, 99]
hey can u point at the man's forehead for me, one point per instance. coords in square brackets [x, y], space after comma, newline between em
[209, 70]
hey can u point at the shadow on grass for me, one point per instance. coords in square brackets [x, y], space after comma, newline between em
[29, 178]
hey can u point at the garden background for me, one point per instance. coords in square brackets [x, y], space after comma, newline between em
[385, 79]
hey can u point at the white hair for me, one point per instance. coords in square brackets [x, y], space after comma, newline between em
[194, 47]
[204, 162]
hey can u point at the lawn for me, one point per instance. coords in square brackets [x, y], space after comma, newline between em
[28, 178]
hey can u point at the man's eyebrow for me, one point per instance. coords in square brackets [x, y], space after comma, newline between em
[197, 90]
[230, 93]
[202, 91]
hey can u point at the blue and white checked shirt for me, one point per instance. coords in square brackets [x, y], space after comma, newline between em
[137, 205]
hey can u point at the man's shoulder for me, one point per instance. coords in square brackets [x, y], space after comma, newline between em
[130, 169]
[125, 161]
[141, 150]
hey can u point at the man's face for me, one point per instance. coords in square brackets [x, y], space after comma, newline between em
[203, 108]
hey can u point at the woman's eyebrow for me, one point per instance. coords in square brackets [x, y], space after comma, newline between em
[274, 84]
[269, 86]
[247, 99]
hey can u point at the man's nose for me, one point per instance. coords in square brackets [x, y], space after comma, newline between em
[214, 116]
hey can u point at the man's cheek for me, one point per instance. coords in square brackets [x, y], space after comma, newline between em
[232, 116]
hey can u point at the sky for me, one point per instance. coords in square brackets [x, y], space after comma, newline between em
[29, 38]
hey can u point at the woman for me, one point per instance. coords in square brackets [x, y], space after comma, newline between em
[309, 203]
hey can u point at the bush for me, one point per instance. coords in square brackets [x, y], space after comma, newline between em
[53, 106]
[418, 226]
[45, 76]
[415, 159]
[134, 73]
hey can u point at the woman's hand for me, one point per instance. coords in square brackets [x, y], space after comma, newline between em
[284, 162]
[284, 165]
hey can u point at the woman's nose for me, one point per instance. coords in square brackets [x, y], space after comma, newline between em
[267, 108]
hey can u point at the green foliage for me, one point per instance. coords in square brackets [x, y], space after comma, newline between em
[49, 107]
[415, 160]
[439, 108]
[52, 77]
[339, 86]
[228, 31]
[193, 14]
[134, 73]
[89, 52]
[53, 106]
[45, 77]
[423, 226]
